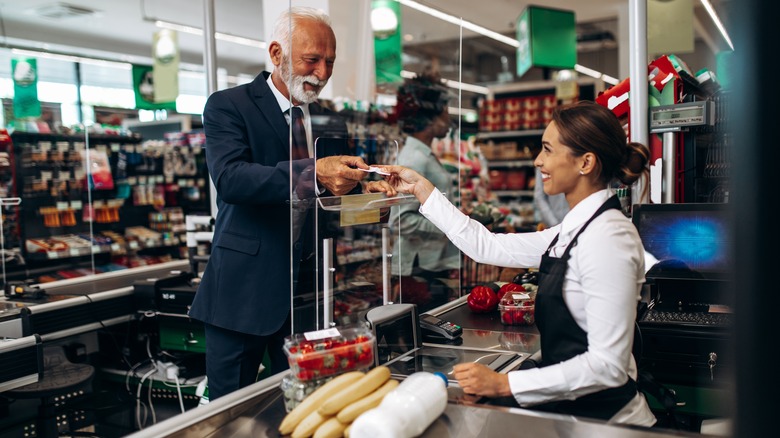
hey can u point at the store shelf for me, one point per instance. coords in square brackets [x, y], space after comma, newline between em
[359, 256]
[510, 163]
[510, 134]
[513, 193]
[113, 248]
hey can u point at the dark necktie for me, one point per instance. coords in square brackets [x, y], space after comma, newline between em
[299, 147]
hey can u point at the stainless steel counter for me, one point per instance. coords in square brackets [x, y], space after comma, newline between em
[258, 410]
[79, 291]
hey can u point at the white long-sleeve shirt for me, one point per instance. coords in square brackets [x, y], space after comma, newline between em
[601, 289]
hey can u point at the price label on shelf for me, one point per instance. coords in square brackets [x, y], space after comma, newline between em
[53, 254]
[75, 252]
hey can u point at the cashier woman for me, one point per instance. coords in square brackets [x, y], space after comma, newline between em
[591, 268]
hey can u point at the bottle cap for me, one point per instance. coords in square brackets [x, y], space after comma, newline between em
[443, 377]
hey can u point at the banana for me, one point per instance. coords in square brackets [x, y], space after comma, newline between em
[353, 410]
[331, 428]
[315, 399]
[355, 391]
[309, 425]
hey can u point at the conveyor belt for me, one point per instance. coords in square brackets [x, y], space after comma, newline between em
[257, 411]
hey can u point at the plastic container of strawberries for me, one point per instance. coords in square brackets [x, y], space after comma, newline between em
[330, 352]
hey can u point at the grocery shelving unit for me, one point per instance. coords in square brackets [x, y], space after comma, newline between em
[134, 205]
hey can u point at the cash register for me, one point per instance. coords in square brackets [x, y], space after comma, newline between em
[401, 334]
[684, 326]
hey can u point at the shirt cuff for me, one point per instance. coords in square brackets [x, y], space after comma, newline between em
[438, 206]
[538, 385]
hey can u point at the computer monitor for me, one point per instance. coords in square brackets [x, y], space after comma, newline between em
[690, 240]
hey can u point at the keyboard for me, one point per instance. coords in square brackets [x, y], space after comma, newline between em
[688, 318]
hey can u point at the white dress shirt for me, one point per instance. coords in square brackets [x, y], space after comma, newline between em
[601, 289]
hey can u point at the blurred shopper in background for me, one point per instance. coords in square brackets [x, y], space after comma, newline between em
[423, 256]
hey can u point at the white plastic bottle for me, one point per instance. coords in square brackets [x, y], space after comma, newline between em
[406, 411]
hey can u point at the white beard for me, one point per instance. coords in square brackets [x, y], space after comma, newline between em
[295, 87]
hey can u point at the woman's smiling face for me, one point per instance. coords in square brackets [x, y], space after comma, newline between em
[559, 168]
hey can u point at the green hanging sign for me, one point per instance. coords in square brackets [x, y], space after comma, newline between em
[547, 38]
[143, 85]
[25, 76]
[386, 25]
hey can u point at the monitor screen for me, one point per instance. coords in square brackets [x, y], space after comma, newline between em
[395, 337]
[689, 240]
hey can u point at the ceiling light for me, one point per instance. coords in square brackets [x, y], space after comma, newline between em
[596, 74]
[460, 22]
[464, 112]
[466, 87]
[452, 84]
[384, 22]
[217, 35]
[716, 20]
[57, 11]
[71, 58]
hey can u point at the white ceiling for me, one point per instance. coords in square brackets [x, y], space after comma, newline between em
[126, 27]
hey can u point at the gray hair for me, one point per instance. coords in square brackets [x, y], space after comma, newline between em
[285, 24]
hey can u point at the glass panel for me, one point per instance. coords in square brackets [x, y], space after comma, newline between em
[425, 110]
[360, 257]
[356, 236]
[317, 136]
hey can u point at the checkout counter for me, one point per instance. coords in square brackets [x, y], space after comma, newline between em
[258, 410]
[49, 394]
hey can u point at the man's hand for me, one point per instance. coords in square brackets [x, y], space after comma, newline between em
[380, 186]
[339, 173]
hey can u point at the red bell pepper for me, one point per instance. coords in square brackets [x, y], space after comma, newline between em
[482, 299]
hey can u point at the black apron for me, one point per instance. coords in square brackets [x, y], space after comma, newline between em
[562, 338]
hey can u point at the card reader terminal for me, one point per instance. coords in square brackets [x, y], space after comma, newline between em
[440, 327]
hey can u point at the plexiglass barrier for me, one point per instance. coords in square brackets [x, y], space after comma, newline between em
[353, 250]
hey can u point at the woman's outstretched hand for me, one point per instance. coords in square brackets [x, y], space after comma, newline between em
[406, 180]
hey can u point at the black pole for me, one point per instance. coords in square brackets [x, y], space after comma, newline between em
[754, 117]
[79, 112]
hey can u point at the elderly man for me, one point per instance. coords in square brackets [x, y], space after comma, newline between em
[244, 297]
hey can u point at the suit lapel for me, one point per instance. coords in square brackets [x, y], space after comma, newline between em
[264, 99]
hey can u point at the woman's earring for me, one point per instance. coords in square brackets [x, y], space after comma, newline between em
[582, 173]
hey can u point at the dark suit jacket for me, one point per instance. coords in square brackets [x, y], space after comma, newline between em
[246, 284]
